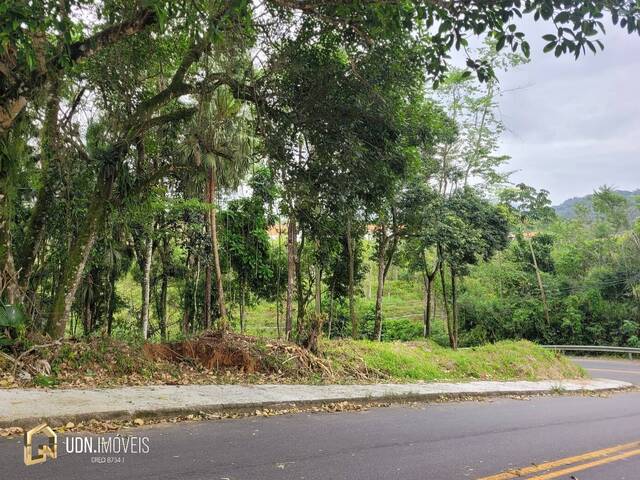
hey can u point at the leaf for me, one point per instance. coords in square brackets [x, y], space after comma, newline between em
[548, 47]
[549, 37]
[614, 16]
[12, 316]
[45, 380]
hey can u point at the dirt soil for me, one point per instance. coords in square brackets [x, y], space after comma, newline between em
[221, 351]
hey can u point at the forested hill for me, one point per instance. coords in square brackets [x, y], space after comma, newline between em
[567, 208]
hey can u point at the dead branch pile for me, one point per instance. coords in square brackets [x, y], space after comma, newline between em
[226, 350]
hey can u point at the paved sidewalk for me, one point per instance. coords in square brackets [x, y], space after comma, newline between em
[26, 407]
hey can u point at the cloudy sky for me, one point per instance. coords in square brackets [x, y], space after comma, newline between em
[574, 125]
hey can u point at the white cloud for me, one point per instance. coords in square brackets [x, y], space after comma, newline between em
[574, 125]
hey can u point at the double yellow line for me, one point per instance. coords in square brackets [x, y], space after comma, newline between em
[573, 464]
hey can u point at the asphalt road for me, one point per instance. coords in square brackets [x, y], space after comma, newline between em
[625, 370]
[468, 440]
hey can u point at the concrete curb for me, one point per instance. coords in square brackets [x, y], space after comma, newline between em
[28, 407]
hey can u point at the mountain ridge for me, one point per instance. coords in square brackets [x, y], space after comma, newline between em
[566, 209]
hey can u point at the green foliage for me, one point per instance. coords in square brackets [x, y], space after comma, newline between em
[542, 245]
[611, 208]
[393, 329]
[13, 323]
[46, 381]
[590, 281]
[337, 112]
[245, 240]
[401, 329]
[426, 361]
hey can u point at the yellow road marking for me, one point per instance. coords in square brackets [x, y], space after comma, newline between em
[586, 466]
[616, 371]
[520, 472]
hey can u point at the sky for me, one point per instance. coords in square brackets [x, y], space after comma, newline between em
[573, 125]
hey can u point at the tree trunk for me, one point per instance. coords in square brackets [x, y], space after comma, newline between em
[315, 330]
[278, 298]
[445, 303]
[429, 278]
[8, 275]
[69, 280]
[352, 301]
[186, 314]
[242, 300]
[299, 289]
[427, 306]
[111, 301]
[318, 285]
[164, 287]
[78, 254]
[454, 308]
[291, 274]
[146, 287]
[222, 309]
[385, 258]
[434, 313]
[206, 312]
[50, 148]
[196, 286]
[540, 284]
[331, 309]
[382, 246]
[86, 314]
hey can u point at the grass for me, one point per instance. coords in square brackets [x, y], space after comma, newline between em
[427, 361]
[104, 362]
[403, 299]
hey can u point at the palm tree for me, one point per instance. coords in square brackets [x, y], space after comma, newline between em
[221, 143]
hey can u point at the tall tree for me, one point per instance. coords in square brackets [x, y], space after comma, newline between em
[222, 143]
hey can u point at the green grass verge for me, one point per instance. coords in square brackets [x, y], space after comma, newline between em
[106, 362]
[427, 361]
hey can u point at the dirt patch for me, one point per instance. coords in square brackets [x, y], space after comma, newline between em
[209, 358]
[226, 350]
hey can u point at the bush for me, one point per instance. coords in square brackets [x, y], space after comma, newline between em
[13, 322]
[341, 323]
[403, 329]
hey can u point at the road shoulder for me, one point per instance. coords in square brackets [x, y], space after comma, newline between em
[26, 407]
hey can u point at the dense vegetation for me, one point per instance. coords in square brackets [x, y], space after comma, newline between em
[590, 272]
[157, 143]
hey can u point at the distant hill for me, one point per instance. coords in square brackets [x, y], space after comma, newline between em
[567, 208]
